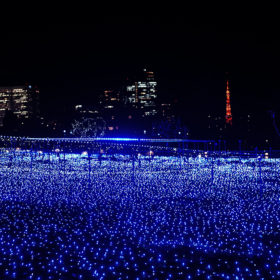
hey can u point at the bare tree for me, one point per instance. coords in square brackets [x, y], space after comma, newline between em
[89, 127]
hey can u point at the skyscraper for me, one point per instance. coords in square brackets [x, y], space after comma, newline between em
[22, 101]
[142, 94]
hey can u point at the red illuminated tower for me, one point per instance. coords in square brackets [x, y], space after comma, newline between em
[228, 107]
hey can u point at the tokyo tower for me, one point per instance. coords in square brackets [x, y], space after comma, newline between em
[228, 106]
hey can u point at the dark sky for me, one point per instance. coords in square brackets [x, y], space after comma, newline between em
[71, 63]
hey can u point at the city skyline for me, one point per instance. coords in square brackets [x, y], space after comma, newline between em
[135, 109]
[74, 63]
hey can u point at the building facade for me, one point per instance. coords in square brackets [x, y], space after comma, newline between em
[142, 94]
[22, 101]
[110, 99]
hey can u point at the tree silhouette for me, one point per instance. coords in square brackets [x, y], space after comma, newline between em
[89, 127]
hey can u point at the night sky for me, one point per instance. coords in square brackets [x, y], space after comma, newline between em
[72, 63]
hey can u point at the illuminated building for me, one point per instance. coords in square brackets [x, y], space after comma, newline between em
[86, 111]
[142, 94]
[110, 99]
[228, 106]
[110, 106]
[22, 101]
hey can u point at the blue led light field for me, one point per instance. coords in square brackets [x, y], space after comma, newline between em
[68, 217]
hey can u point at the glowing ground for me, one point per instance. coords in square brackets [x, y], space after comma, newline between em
[169, 218]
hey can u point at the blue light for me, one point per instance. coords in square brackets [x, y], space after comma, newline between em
[160, 218]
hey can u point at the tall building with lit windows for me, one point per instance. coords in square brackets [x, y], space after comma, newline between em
[142, 94]
[22, 101]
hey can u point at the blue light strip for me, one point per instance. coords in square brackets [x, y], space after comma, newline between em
[99, 139]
